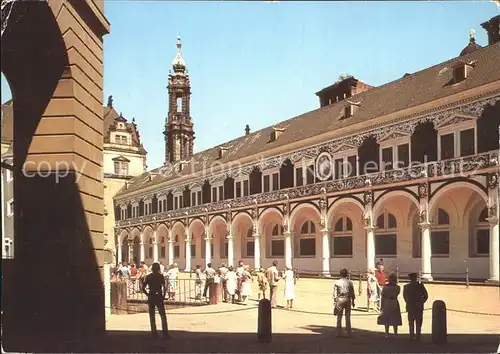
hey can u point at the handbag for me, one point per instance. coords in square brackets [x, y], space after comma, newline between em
[380, 320]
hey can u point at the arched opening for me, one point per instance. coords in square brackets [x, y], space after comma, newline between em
[424, 143]
[305, 224]
[386, 235]
[276, 242]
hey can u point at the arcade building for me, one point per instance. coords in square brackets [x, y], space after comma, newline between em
[406, 171]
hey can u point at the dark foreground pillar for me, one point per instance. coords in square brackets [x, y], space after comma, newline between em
[264, 323]
[439, 326]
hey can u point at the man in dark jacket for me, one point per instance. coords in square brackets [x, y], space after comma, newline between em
[415, 296]
[155, 282]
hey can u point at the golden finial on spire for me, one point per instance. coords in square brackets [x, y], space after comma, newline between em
[179, 44]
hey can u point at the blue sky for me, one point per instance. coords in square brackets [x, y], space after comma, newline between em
[259, 63]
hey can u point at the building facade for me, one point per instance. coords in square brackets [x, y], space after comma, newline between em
[124, 157]
[407, 172]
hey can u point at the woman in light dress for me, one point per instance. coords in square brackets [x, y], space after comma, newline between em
[172, 275]
[289, 287]
[372, 290]
[231, 283]
[246, 284]
[390, 311]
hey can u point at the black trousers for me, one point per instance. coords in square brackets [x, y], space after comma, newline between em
[156, 301]
[415, 320]
[208, 282]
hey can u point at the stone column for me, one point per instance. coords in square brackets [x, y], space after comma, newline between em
[170, 248]
[494, 251]
[142, 257]
[155, 248]
[256, 251]
[426, 252]
[288, 249]
[107, 289]
[208, 250]
[188, 254]
[370, 247]
[326, 252]
[119, 251]
[230, 250]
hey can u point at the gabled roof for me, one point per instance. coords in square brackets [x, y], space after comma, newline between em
[110, 118]
[409, 91]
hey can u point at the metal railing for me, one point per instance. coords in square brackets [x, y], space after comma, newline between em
[179, 292]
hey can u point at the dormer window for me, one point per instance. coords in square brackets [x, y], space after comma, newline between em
[275, 134]
[348, 111]
[462, 71]
[121, 139]
[223, 151]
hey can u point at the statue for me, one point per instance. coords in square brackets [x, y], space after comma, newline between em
[110, 101]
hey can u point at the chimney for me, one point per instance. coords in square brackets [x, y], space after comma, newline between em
[492, 27]
[247, 130]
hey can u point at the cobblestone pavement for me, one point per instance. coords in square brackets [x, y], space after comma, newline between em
[309, 326]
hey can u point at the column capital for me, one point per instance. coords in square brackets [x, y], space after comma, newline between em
[256, 235]
[492, 220]
[370, 228]
[187, 240]
[208, 238]
[230, 237]
[324, 231]
[287, 234]
[425, 225]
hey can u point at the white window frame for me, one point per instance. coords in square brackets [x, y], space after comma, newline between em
[123, 212]
[160, 204]
[148, 206]
[302, 165]
[195, 201]
[344, 155]
[242, 180]
[217, 186]
[269, 172]
[122, 135]
[343, 233]
[10, 208]
[9, 175]
[135, 210]
[455, 129]
[394, 143]
[178, 196]
[304, 236]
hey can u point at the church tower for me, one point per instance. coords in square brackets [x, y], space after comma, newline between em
[179, 133]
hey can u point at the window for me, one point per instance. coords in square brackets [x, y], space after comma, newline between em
[447, 146]
[352, 166]
[193, 247]
[341, 245]
[224, 247]
[135, 210]
[267, 186]
[162, 248]
[193, 199]
[440, 234]
[299, 178]
[121, 168]
[177, 248]
[214, 194]
[277, 242]
[310, 174]
[148, 207]
[339, 173]
[387, 159]
[198, 197]
[160, 206]
[176, 202]
[306, 243]
[460, 73]
[179, 104]
[249, 245]
[467, 142]
[238, 189]
[403, 156]
[121, 139]
[10, 208]
[181, 202]
[481, 245]
[276, 182]
[150, 248]
[246, 190]
[221, 193]
[348, 111]
[386, 235]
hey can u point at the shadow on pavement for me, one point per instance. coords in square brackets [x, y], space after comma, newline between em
[321, 339]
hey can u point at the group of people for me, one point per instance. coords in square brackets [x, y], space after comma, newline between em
[135, 277]
[237, 282]
[383, 293]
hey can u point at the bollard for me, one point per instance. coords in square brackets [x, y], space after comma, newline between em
[439, 326]
[214, 293]
[118, 295]
[467, 278]
[264, 323]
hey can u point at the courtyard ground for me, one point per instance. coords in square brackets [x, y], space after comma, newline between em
[473, 325]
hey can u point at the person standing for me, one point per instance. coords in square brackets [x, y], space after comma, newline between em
[210, 274]
[263, 283]
[172, 276]
[289, 287]
[381, 280]
[223, 273]
[344, 296]
[273, 279]
[198, 282]
[415, 296]
[246, 284]
[231, 283]
[390, 311]
[239, 273]
[155, 282]
[372, 291]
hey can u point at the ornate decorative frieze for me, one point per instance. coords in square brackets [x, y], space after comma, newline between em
[492, 180]
[423, 190]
